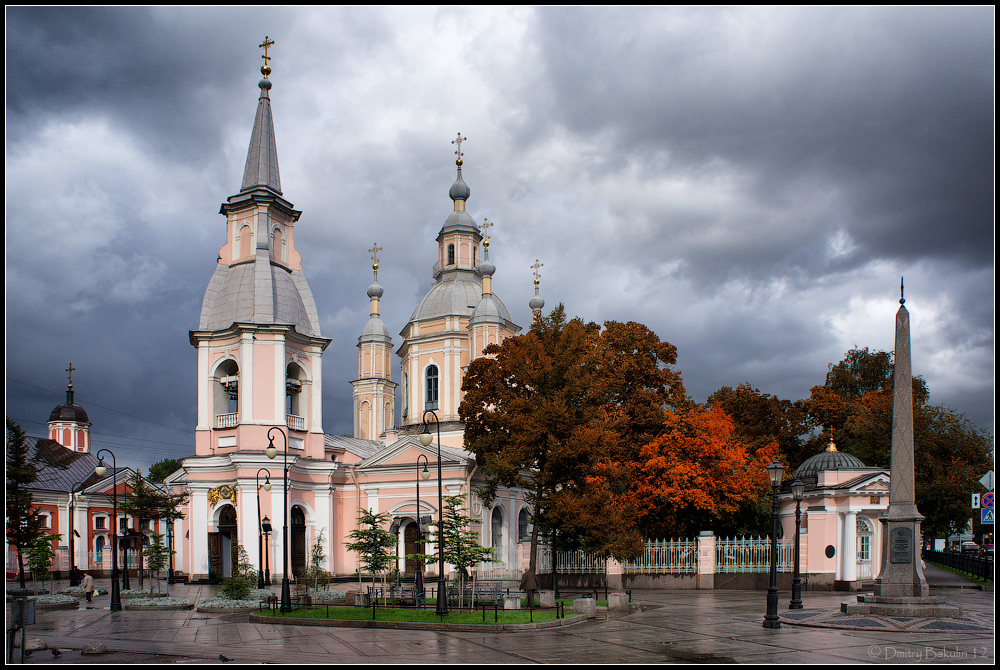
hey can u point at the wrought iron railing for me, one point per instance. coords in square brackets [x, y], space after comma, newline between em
[664, 557]
[752, 554]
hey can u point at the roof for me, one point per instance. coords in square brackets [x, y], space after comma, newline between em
[262, 157]
[60, 468]
[259, 292]
[828, 460]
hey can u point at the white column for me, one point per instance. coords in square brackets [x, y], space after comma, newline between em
[324, 520]
[204, 388]
[849, 547]
[246, 378]
[279, 379]
[198, 533]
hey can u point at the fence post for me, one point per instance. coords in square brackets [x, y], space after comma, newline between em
[706, 560]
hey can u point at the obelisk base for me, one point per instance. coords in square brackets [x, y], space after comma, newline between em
[931, 606]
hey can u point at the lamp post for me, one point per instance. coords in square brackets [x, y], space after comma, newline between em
[441, 608]
[286, 591]
[771, 619]
[798, 489]
[420, 524]
[266, 527]
[101, 470]
[260, 527]
[72, 531]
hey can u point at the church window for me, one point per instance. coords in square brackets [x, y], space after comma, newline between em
[225, 396]
[496, 532]
[431, 394]
[451, 254]
[523, 525]
[294, 402]
[244, 242]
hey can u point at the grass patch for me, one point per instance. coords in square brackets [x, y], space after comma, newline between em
[966, 575]
[415, 615]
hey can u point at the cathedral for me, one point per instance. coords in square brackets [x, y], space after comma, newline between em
[262, 460]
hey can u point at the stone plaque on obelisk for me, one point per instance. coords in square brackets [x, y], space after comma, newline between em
[901, 589]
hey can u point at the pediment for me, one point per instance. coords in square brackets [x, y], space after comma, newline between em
[404, 452]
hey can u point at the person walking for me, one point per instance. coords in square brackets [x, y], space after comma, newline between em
[88, 586]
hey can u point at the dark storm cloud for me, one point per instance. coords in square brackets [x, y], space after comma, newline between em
[891, 107]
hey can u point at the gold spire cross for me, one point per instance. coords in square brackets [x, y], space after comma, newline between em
[70, 371]
[458, 142]
[264, 45]
[374, 252]
[484, 227]
[535, 268]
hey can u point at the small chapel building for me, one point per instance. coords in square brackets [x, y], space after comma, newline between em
[260, 376]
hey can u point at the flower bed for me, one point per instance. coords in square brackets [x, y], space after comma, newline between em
[224, 604]
[140, 593]
[162, 603]
[77, 591]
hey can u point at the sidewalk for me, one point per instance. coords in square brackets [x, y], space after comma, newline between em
[670, 626]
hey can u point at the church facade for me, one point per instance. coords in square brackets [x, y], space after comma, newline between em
[261, 456]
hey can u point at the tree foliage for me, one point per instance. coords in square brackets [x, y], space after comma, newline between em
[162, 469]
[373, 543]
[24, 523]
[950, 454]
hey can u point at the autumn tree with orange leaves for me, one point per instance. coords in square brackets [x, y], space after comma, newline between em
[594, 425]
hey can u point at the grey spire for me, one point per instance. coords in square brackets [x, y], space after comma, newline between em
[262, 157]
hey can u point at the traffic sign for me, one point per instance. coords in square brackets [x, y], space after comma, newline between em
[988, 500]
[987, 480]
[986, 516]
[975, 501]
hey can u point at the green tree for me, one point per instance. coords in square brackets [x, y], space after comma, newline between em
[460, 542]
[24, 524]
[243, 579]
[157, 556]
[146, 503]
[40, 557]
[373, 544]
[162, 469]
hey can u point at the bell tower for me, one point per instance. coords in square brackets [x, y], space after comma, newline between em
[374, 390]
[258, 338]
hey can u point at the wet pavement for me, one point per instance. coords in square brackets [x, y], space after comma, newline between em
[684, 626]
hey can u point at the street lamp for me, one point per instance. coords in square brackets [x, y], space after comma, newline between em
[260, 527]
[266, 527]
[101, 470]
[798, 489]
[424, 474]
[441, 608]
[286, 591]
[73, 581]
[771, 619]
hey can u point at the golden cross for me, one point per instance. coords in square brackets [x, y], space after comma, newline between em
[535, 267]
[485, 228]
[458, 141]
[70, 371]
[264, 45]
[374, 252]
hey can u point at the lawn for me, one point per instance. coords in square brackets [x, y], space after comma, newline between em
[417, 615]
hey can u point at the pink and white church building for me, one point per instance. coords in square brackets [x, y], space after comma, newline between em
[259, 367]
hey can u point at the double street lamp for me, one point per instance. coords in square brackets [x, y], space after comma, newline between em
[260, 527]
[101, 470]
[286, 591]
[441, 608]
[771, 620]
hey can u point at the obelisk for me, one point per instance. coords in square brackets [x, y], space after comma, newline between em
[901, 589]
[902, 574]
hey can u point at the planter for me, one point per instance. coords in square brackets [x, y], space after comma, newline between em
[157, 604]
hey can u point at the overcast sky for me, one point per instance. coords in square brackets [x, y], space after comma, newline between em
[751, 183]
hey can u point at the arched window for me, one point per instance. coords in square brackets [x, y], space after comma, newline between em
[496, 533]
[244, 242]
[431, 388]
[277, 244]
[523, 525]
[294, 401]
[225, 397]
[451, 254]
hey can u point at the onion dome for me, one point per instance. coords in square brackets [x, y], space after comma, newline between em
[459, 190]
[69, 411]
[375, 290]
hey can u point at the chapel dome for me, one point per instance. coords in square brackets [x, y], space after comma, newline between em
[69, 412]
[831, 459]
[457, 295]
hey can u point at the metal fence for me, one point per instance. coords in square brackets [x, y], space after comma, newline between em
[664, 557]
[974, 564]
[752, 554]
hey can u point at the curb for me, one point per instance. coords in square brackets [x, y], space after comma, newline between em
[417, 625]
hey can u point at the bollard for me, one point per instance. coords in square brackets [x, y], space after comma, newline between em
[547, 598]
[586, 606]
[617, 601]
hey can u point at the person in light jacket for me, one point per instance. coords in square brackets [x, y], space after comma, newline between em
[88, 586]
